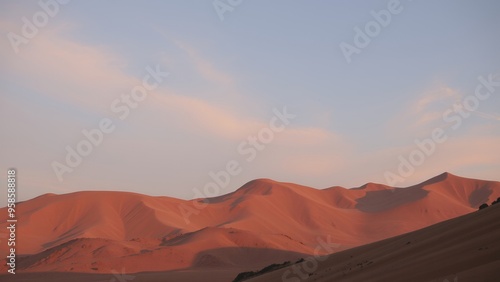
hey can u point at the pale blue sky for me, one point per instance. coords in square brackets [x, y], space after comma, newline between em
[353, 119]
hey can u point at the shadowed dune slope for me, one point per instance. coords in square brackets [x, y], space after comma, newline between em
[462, 249]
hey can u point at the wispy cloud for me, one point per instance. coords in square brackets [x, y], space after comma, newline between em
[487, 115]
[431, 104]
[89, 77]
[68, 71]
[205, 67]
[440, 94]
[423, 113]
[198, 114]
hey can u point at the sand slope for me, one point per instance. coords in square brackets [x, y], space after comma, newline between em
[262, 222]
[461, 249]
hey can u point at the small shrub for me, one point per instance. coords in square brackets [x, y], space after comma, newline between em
[244, 275]
[249, 274]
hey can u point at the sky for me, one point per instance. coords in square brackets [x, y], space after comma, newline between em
[176, 95]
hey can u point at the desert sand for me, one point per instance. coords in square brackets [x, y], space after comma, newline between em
[94, 234]
[461, 249]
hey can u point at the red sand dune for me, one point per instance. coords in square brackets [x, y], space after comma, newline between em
[262, 222]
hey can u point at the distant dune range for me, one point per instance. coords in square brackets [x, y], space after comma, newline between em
[261, 223]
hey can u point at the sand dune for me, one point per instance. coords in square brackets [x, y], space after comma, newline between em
[466, 248]
[262, 222]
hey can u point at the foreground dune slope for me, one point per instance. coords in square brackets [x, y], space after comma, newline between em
[466, 248]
